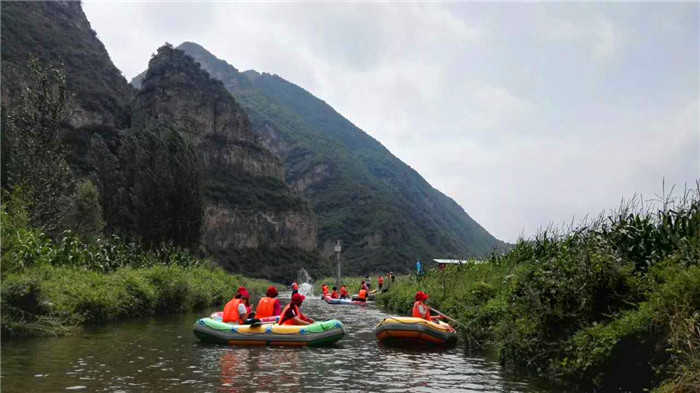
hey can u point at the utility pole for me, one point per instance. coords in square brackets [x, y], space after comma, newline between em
[337, 260]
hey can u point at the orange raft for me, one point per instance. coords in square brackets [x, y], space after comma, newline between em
[411, 331]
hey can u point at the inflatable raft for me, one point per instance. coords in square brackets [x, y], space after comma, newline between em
[410, 331]
[218, 315]
[369, 297]
[330, 300]
[316, 334]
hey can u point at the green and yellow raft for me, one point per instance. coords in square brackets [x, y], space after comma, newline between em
[315, 334]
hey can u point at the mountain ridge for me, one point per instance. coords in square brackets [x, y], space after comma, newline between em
[350, 176]
[174, 163]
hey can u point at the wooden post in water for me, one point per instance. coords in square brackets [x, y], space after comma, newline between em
[337, 260]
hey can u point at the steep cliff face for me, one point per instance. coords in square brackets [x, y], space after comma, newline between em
[57, 32]
[247, 204]
[386, 214]
[177, 163]
[178, 94]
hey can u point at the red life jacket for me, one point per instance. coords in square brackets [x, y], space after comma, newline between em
[416, 310]
[343, 291]
[380, 280]
[325, 290]
[287, 320]
[231, 312]
[363, 294]
[335, 295]
[266, 307]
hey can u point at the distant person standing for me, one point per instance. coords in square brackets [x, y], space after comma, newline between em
[419, 268]
[380, 282]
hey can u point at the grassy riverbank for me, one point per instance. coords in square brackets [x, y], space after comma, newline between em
[611, 305]
[50, 287]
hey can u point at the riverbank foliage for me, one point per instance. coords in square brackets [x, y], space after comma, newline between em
[51, 286]
[612, 305]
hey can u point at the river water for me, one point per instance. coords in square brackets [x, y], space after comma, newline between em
[161, 354]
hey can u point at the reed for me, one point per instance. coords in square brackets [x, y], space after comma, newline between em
[608, 304]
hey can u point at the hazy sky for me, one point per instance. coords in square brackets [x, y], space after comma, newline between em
[525, 114]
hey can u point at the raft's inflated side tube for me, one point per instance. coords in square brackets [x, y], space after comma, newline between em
[369, 297]
[315, 334]
[330, 300]
[410, 330]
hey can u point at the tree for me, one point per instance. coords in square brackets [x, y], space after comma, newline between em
[163, 174]
[85, 213]
[33, 153]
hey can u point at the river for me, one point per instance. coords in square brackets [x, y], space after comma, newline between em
[160, 354]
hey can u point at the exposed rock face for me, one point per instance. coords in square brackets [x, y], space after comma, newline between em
[385, 213]
[247, 203]
[57, 32]
[177, 163]
[230, 228]
[178, 94]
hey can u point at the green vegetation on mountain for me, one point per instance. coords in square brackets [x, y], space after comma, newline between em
[385, 213]
[175, 163]
[610, 306]
[58, 33]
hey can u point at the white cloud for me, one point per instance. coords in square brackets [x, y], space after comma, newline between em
[526, 114]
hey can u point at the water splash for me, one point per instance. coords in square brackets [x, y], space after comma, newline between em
[306, 289]
[305, 282]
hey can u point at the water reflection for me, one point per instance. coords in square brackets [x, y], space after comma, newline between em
[260, 370]
[161, 354]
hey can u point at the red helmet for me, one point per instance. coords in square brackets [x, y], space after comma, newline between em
[298, 298]
[421, 296]
[271, 291]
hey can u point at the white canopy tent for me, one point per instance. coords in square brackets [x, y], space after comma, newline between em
[457, 261]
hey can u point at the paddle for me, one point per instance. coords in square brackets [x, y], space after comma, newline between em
[449, 318]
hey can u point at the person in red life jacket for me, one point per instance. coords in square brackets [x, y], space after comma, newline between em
[269, 305]
[295, 288]
[343, 292]
[291, 313]
[380, 282]
[421, 309]
[335, 295]
[246, 300]
[237, 310]
[324, 289]
[362, 295]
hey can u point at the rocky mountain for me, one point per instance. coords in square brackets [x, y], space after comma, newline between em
[173, 162]
[383, 211]
[57, 32]
[248, 208]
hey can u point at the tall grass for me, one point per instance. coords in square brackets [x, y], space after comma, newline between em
[611, 304]
[49, 287]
